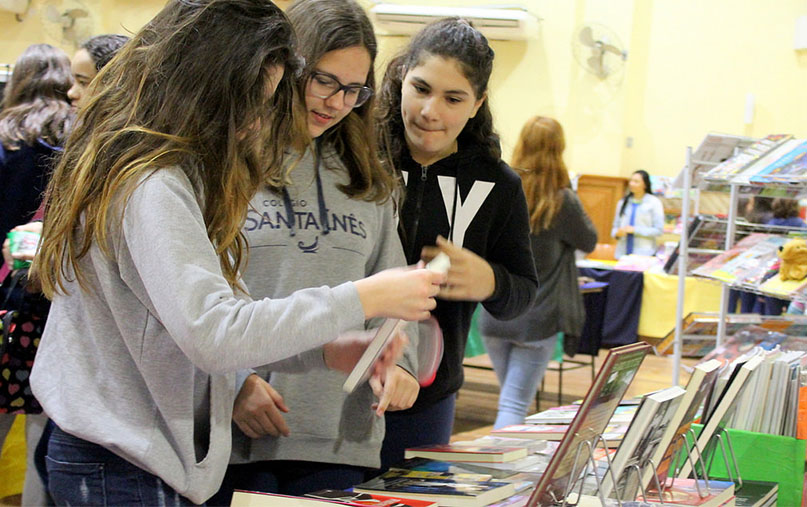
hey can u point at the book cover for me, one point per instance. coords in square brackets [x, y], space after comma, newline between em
[686, 492]
[445, 491]
[644, 435]
[727, 169]
[453, 452]
[700, 383]
[756, 494]
[715, 419]
[259, 499]
[599, 404]
[353, 498]
[449, 469]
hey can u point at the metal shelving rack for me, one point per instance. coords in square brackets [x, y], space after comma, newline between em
[795, 189]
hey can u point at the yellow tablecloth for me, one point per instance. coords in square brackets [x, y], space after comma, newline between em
[12, 460]
[660, 297]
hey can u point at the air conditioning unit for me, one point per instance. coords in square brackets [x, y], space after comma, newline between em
[497, 24]
[15, 6]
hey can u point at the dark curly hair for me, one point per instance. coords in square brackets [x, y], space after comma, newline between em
[453, 38]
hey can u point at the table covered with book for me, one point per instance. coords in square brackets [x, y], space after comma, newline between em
[518, 465]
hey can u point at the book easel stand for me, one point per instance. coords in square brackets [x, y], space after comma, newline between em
[579, 476]
[703, 457]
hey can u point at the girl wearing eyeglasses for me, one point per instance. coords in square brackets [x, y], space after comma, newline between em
[299, 433]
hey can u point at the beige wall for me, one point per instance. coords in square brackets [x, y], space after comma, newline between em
[691, 64]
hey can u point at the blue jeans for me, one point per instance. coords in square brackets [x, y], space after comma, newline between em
[84, 473]
[294, 478]
[519, 368]
[429, 426]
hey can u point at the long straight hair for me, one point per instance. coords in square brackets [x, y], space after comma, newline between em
[538, 156]
[330, 25]
[648, 189]
[450, 38]
[35, 104]
[189, 91]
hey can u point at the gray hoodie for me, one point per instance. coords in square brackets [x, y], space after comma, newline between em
[140, 362]
[286, 255]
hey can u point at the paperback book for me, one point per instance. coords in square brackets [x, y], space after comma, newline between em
[447, 492]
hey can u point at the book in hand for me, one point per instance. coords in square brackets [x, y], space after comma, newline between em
[609, 386]
[359, 499]
[701, 382]
[446, 491]
[644, 435]
[388, 330]
[685, 492]
[469, 453]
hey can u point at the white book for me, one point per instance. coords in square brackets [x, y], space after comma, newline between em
[761, 388]
[701, 383]
[639, 444]
[384, 335]
[726, 401]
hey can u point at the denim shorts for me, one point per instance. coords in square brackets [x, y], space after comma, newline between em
[84, 473]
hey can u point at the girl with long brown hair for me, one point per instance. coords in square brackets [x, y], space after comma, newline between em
[34, 122]
[346, 230]
[520, 349]
[142, 250]
[461, 198]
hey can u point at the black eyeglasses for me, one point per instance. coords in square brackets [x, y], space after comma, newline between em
[325, 86]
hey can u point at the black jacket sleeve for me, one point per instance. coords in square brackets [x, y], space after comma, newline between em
[511, 258]
[577, 229]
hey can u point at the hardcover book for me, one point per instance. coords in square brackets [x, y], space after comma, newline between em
[453, 452]
[599, 404]
[644, 435]
[444, 491]
[700, 384]
[686, 492]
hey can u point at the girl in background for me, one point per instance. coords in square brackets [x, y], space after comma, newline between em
[520, 349]
[141, 253]
[34, 122]
[302, 433]
[461, 198]
[639, 218]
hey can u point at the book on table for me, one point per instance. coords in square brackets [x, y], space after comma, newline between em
[701, 382]
[692, 492]
[609, 386]
[445, 491]
[453, 452]
[756, 494]
[356, 499]
[644, 434]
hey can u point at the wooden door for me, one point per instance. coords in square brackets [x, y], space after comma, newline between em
[599, 195]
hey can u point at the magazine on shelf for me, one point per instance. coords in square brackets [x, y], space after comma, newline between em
[737, 163]
[785, 167]
[713, 149]
[644, 435]
[767, 162]
[609, 386]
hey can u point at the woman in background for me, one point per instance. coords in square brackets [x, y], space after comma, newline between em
[34, 122]
[520, 349]
[461, 199]
[639, 218]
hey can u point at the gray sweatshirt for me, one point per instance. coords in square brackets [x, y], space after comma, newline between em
[326, 425]
[141, 361]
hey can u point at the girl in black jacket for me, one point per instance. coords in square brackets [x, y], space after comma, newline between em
[460, 198]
